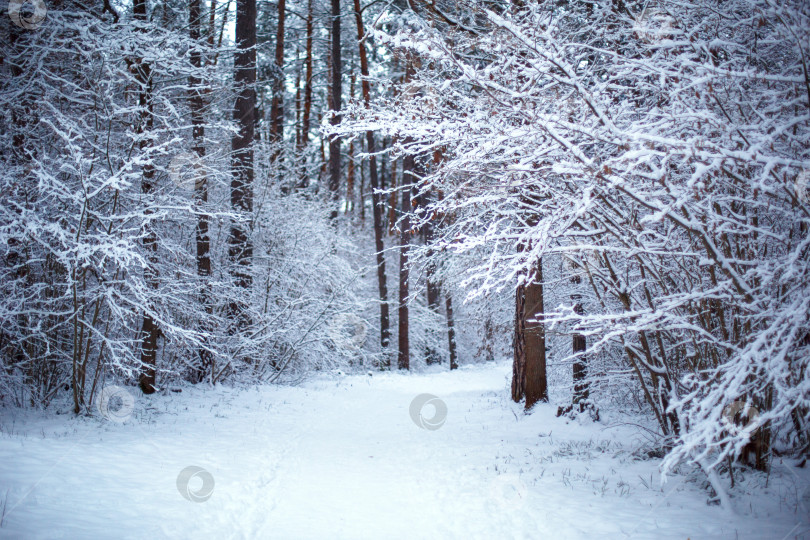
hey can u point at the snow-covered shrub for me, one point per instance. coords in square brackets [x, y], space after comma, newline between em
[666, 165]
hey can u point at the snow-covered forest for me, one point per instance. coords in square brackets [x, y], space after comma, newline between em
[405, 269]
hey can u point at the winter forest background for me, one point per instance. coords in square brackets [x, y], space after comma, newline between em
[613, 196]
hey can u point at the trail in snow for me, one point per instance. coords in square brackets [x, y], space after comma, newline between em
[342, 458]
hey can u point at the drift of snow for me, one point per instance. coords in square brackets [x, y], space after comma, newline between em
[340, 457]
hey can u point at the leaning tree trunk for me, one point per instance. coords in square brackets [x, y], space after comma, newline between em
[149, 328]
[240, 246]
[376, 199]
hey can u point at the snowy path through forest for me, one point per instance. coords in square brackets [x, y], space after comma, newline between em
[342, 458]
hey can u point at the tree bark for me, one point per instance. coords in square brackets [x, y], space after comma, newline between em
[149, 328]
[581, 390]
[337, 89]
[529, 364]
[536, 385]
[451, 331]
[277, 106]
[303, 180]
[240, 246]
[403, 356]
[432, 355]
[376, 199]
[518, 345]
[196, 105]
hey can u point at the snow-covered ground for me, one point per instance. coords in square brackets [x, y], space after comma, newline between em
[341, 457]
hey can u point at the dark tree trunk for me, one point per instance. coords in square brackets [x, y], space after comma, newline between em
[581, 390]
[404, 355]
[196, 105]
[306, 113]
[277, 107]
[149, 328]
[350, 168]
[376, 199]
[337, 89]
[432, 355]
[451, 332]
[536, 385]
[240, 247]
[519, 346]
[529, 363]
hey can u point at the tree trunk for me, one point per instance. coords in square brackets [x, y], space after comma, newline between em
[451, 331]
[529, 363]
[376, 199]
[581, 390]
[432, 355]
[203, 242]
[536, 385]
[337, 89]
[149, 328]
[518, 345]
[403, 356]
[350, 168]
[303, 180]
[277, 106]
[240, 246]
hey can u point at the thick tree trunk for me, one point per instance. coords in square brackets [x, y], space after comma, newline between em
[240, 247]
[149, 328]
[337, 89]
[376, 199]
[536, 385]
[451, 331]
[203, 242]
[529, 364]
